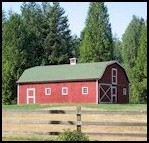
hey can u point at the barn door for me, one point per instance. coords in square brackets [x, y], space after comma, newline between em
[105, 93]
[30, 95]
[114, 94]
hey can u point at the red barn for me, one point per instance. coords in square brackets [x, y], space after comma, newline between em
[100, 82]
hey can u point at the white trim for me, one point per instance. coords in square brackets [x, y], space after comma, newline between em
[114, 69]
[66, 91]
[105, 84]
[46, 91]
[124, 91]
[28, 96]
[18, 94]
[96, 91]
[83, 90]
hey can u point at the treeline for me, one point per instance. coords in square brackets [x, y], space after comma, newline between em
[40, 35]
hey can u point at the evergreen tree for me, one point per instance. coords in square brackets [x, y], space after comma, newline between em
[139, 72]
[96, 44]
[57, 44]
[117, 49]
[45, 8]
[131, 41]
[75, 46]
[12, 56]
[33, 18]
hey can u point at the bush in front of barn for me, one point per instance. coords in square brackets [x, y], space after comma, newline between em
[72, 136]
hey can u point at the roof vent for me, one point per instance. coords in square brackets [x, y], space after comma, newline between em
[73, 61]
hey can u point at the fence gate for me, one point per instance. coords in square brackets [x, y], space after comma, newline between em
[105, 93]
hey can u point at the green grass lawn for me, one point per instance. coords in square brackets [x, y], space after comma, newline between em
[107, 107]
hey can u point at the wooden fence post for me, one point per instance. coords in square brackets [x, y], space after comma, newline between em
[79, 118]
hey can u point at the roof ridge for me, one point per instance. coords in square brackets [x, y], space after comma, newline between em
[73, 65]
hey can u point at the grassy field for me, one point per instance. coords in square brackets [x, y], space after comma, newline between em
[105, 107]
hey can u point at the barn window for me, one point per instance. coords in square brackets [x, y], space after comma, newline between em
[47, 91]
[114, 76]
[84, 90]
[64, 91]
[124, 91]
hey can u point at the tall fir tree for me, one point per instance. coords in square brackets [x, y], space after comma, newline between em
[139, 71]
[97, 44]
[131, 41]
[33, 18]
[57, 44]
[117, 49]
[12, 56]
[75, 46]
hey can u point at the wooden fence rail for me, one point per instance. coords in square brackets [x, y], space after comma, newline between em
[78, 123]
[86, 123]
[75, 112]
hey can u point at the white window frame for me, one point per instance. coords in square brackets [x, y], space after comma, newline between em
[63, 91]
[114, 69]
[124, 91]
[83, 90]
[46, 91]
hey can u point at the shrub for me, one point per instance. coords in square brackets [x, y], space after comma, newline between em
[72, 136]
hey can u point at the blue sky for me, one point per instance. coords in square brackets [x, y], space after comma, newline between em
[120, 14]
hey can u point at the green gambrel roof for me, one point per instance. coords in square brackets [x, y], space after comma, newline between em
[66, 72]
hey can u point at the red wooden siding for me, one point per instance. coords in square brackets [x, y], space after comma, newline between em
[74, 92]
[122, 82]
[122, 98]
